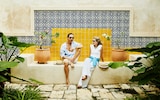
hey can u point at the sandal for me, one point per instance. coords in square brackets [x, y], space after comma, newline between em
[79, 87]
[84, 77]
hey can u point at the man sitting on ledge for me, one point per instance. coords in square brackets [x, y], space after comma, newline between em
[69, 53]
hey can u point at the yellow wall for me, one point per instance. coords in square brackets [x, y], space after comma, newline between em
[82, 35]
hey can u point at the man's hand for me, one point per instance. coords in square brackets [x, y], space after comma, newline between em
[72, 60]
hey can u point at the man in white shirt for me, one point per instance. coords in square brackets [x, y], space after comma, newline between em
[69, 53]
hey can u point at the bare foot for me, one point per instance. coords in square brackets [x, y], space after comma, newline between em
[84, 77]
[72, 65]
[67, 83]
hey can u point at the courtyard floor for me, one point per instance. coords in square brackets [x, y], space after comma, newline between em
[93, 92]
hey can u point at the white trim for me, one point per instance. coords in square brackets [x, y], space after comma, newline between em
[32, 21]
[145, 34]
[81, 8]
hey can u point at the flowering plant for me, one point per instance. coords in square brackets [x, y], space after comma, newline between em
[117, 41]
[43, 38]
[106, 36]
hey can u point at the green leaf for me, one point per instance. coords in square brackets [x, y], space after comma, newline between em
[2, 79]
[36, 81]
[53, 41]
[5, 40]
[144, 78]
[1, 34]
[141, 70]
[56, 35]
[151, 45]
[116, 64]
[154, 52]
[13, 39]
[5, 64]
[22, 44]
[21, 59]
[3, 52]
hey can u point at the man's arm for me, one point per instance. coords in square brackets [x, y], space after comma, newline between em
[78, 51]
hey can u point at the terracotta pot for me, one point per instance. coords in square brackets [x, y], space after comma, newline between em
[42, 55]
[119, 55]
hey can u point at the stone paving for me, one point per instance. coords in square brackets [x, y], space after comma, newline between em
[93, 92]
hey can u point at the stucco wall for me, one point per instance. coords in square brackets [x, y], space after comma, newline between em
[16, 14]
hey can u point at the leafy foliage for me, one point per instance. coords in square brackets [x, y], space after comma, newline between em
[9, 56]
[43, 37]
[147, 73]
[27, 93]
[10, 50]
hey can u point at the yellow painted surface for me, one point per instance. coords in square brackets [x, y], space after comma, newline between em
[82, 35]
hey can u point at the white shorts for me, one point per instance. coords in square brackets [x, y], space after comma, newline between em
[68, 61]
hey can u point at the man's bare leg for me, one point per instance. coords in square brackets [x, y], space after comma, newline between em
[66, 70]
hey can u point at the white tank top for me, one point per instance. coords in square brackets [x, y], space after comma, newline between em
[95, 52]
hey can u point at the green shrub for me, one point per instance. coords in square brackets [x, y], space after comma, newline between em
[28, 93]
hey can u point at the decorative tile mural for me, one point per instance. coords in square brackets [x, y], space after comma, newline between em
[116, 20]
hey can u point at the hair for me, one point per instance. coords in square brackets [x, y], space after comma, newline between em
[97, 40]
[69, 34]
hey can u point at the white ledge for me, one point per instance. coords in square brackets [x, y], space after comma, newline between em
[54, 74]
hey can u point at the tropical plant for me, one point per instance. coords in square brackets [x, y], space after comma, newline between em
[117, 41]
[44, 37]
[10, 50]
[147, 73]
[147, 67]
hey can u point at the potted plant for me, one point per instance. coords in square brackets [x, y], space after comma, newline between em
[44, 38]
[118, 53]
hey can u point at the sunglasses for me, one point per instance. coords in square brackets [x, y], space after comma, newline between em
[71, 37]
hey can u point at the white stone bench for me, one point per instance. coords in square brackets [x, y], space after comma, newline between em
[54, 74]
